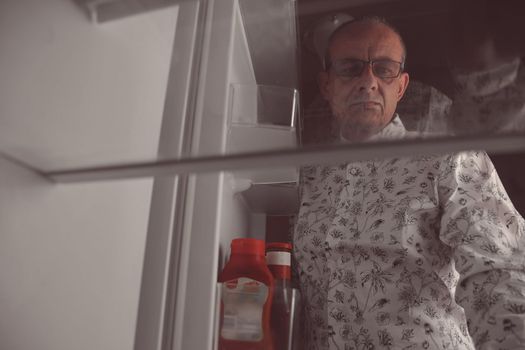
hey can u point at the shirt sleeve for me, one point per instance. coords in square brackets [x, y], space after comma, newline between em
[486, 233]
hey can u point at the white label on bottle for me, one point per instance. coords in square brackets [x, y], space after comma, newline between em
[278, 258]
[243, 301]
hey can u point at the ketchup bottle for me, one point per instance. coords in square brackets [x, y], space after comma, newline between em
[278, 258]
[246, 298]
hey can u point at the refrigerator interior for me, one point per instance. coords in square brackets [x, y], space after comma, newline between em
[132, 263]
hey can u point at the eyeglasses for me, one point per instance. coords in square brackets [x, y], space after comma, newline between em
[352, 67]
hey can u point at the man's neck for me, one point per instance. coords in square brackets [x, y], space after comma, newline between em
[393, 129]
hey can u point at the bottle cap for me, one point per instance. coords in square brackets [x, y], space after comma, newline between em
[247, 246]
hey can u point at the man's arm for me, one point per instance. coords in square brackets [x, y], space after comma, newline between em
[487, 234]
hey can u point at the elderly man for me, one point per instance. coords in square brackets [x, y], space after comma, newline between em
[403, 253]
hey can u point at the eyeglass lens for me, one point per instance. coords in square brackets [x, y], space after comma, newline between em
[380, 68]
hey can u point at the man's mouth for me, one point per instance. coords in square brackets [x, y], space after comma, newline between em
[367, 104]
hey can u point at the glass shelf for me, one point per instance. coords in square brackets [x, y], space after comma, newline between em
[496, 144]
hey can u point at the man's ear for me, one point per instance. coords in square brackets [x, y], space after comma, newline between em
[403, 84]
[323, 82]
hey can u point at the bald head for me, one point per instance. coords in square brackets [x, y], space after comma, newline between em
[364, 77]
[357, 28]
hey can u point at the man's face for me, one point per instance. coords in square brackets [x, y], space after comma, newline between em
[364, 104]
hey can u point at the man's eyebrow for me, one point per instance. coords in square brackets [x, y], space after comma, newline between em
[378, 58]
[385, 58]
[343, 59]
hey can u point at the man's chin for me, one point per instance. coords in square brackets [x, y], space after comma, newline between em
[373, 107]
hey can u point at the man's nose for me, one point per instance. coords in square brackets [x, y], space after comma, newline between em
[367, 79]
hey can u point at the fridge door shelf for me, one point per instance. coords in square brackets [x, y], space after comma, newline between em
[254, 138]
[272, 198]
[262, 118]
[262, 106]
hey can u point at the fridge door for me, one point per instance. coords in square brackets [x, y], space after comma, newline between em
[242, 68]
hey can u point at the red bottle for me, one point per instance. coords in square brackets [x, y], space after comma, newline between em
[278, 258]
[246, 298]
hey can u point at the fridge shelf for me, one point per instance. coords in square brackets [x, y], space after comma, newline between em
[263, 118]
[281, 198]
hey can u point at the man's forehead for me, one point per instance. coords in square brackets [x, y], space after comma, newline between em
[367, 38]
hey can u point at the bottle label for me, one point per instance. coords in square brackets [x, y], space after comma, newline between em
[243, 300]
[278, 258]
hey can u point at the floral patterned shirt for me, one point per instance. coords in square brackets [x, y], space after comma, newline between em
[420, 252]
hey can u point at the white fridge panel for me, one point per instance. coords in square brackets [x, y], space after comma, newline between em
[70, 261]
[75, 93]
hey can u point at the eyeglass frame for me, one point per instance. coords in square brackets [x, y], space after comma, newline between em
[328, 65]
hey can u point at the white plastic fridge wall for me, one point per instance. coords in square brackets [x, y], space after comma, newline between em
[76, 93]
[70, 261]
[71, 255]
